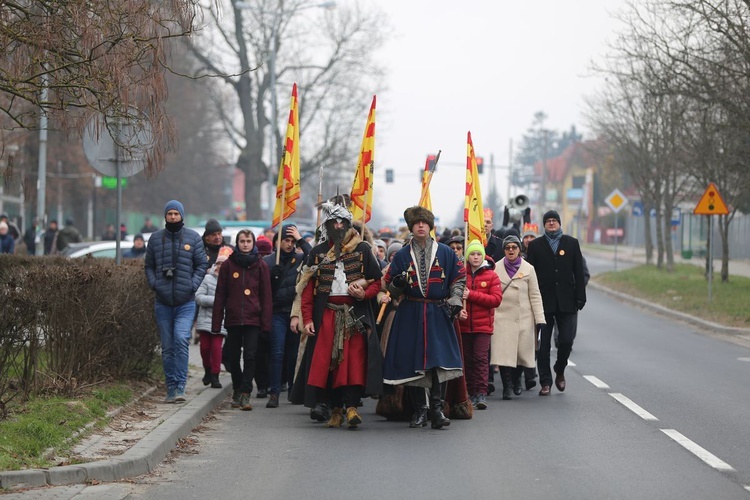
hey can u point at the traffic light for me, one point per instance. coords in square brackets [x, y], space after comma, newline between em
[389, 175]
[431, 162]
[480, 164]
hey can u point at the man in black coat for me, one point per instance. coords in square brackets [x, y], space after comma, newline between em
[558, 263]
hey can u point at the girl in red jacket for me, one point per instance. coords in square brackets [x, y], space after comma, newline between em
[481, 296]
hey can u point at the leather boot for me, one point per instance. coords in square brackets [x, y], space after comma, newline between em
[337, 418]
[439, 420]
[419, 419]
[207, 376]
[516, 379]
[505, 375]
[215, 382]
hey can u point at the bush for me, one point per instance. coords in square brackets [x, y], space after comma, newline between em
[72, 323]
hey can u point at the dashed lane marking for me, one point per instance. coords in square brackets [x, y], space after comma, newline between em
[698, 451]
[630, 405]
[744, 359]
[597, 383]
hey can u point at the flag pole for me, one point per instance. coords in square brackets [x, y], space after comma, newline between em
[281, 221]
[429, 179]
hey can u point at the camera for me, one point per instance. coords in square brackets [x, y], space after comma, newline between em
[168, 272]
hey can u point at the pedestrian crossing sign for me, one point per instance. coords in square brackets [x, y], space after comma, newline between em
[711, 203]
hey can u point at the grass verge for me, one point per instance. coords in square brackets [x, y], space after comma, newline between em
[686, 290]
[49, 422]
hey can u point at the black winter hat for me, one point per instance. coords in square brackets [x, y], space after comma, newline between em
[551, 214]
[213, 226]
[286, 231]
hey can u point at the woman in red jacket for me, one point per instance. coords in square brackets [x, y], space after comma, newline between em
[481, 296]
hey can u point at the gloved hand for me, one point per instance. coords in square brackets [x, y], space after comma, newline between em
[580, 304]
[276, 272]
[539, 326]
[455, 311]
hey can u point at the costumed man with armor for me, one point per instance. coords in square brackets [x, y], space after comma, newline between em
[342, 360]
[423, 350]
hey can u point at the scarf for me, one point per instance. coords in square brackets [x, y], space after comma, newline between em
[422, 253]
[245, 259]
[512, 267]
[174, 227]
[553, 238]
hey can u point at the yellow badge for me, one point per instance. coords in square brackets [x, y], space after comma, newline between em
[236, 275]
[294, 260]
[247, 291]
[187, 247]
[483, 284]
[519, 275]
[562, 252]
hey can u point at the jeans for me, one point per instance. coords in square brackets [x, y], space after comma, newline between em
[279, 327]
[174, 324]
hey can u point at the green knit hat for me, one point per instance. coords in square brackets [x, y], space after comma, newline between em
[475, 246]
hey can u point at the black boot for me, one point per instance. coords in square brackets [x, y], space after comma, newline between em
[207, 377]
[419, 418]
[418, 400]
[215, 383]
[439, 420]
[507, 384]
[516, 379]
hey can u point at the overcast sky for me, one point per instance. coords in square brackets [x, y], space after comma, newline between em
[481, 66]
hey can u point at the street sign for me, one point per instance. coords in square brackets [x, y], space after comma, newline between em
[711, 203]
[616, 200]
[638, 208]
[676, 217]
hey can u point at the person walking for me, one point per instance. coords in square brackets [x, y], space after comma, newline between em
[518, 319]
[210, 343]
[283, 343]
[50, 238]
[7, 243]
[482, 295]
[243, 302]
[213, 240]
[30, 237]
[423, 348]
[68, 235]
[342, 360]
[558, 263]
[175, 265]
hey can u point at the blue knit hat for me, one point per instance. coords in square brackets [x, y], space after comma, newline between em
[174, 205]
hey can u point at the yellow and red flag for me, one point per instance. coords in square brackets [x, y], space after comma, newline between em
[473, 213]
[361, 195]
[424, 198]
[288, 185]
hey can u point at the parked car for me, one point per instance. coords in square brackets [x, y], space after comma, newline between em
[96, 249]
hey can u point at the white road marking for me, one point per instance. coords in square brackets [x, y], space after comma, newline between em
[747, 487]
[570, 363]
[698, 451]
[629, 404]
[744, 359]
[597, 383]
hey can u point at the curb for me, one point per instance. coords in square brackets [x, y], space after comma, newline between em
[671, 313]
[141, 459]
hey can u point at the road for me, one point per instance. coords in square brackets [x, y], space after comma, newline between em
[653, 409]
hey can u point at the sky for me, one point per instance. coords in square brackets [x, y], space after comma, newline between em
[482, 66]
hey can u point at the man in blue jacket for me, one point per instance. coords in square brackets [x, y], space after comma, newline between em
[175, 266]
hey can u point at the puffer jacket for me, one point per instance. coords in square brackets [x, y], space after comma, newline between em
[204, 298]
[182, 251]
[243, 296]
[485, 294]
[284, 290]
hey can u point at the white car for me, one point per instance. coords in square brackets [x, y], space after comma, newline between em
[97, 249]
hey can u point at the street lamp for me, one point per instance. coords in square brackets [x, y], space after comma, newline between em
[273, 153]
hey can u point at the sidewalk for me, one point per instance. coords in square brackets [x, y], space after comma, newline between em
[143, 457]
[740, 267]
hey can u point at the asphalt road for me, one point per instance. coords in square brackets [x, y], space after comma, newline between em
[653, 409]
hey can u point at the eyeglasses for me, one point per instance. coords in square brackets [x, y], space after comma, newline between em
[511, 248]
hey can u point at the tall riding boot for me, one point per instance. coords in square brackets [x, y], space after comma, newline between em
[418, 400]
[439, 420]
[505, 375]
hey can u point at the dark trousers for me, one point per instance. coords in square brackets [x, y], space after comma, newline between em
[262, 364]
[567, 323]
[242, 341]
[346, 396]
[476, 362]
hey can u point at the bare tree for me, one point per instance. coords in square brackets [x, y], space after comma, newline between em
[76, 58]
[329, 54]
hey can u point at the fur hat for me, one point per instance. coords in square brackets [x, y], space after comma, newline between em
[213, 226]
[475, 246]
[530, 229]
[412, 215]
[174, 205]
[551, 214]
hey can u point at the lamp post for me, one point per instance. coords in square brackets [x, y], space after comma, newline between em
[274, 158]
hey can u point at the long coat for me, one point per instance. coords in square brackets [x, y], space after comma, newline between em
[422, 336]
[516, 317]
[561, 277]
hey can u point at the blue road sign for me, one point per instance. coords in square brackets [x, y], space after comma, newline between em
[638, 208]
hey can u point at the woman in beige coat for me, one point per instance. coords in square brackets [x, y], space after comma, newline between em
[517, 319]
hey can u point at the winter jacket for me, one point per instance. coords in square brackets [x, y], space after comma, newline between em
[204, 299]
[181, 251]
[7, 243]
[67, 235]
[484, 296]
[284, 286]
[243, 295]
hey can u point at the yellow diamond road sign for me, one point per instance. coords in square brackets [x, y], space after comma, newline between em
[616, 200]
